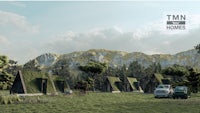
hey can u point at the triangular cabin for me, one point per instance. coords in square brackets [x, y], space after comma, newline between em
[159, 79]
[155, 80]
[132, 85]
[28, 81]
[61, 84]
[113, 84]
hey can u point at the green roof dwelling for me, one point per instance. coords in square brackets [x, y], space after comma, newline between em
[133, 85]
[159, 79]
[31, 82]
[154, 81]
[113, 84]
[61, 84]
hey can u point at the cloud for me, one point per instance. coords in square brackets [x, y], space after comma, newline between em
[3, 40]
[109, 38]
[149, 41]
[96, 38]
[14, 29]
[193, 21]
[16, 23]
[18, 4]
[21, 55]
[159, 26]
[153, 42]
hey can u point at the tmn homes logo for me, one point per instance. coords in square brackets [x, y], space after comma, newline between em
[176, 22]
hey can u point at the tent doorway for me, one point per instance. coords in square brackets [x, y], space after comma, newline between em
[44, 86]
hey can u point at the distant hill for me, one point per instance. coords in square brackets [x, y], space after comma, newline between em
[116, 58]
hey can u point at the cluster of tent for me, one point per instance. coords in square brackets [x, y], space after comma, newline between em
[114, 84]
[31, 82]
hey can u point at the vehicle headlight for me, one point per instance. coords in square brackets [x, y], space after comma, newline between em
[166, 91]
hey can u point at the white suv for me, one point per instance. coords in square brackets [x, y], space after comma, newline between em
[163, 91]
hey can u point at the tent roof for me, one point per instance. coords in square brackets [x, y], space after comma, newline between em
[112, 81]
[30, 81]
[59, 78]
[131, 81]
[159, 77]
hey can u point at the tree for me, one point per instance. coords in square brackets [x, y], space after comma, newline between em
[122, 73]
[197, 47]
[194, 80]
[135, 70]
[3, 62]
[32, 65]
[13, 67]
[6, 79]
[177, 72]
[146, 81]
[93, 69]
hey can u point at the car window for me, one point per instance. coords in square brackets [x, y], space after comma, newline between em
[163, 86]
[166, 86]
[160, 86]
[179, 88]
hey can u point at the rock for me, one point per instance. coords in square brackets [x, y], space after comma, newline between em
[47, 59]
[118, 58]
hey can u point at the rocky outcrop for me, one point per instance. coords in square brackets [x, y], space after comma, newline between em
[118, 58]
[47, 59]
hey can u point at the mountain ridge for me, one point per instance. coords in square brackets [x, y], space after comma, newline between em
[117, 58]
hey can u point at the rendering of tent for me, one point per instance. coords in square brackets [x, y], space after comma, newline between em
[133, 85]
[159, 79]
[113, 84]
[28, 81]
[61, 84]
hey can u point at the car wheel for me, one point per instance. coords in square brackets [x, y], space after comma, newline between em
[186, 97]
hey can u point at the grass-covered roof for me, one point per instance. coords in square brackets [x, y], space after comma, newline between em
[30, 80]
[159, 77]
[131, 82]
[112, 81]
[57, 79]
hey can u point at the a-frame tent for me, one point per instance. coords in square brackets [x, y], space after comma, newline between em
[61, 84]
[133, 85]
[28, 81]
[18, 84]
[113, 84]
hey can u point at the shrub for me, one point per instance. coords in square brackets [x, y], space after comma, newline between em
[9, 99]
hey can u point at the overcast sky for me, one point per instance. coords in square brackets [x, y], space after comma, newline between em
[29, 29]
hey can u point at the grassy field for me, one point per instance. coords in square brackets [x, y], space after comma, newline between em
[103, 102]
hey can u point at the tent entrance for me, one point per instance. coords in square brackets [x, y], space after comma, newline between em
[42, 83]
[44, 86]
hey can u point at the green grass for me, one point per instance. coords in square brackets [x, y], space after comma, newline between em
[104, 102]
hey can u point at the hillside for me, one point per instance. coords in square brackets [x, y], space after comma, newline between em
[116, 58]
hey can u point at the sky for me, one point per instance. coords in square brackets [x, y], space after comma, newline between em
[31, 28]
